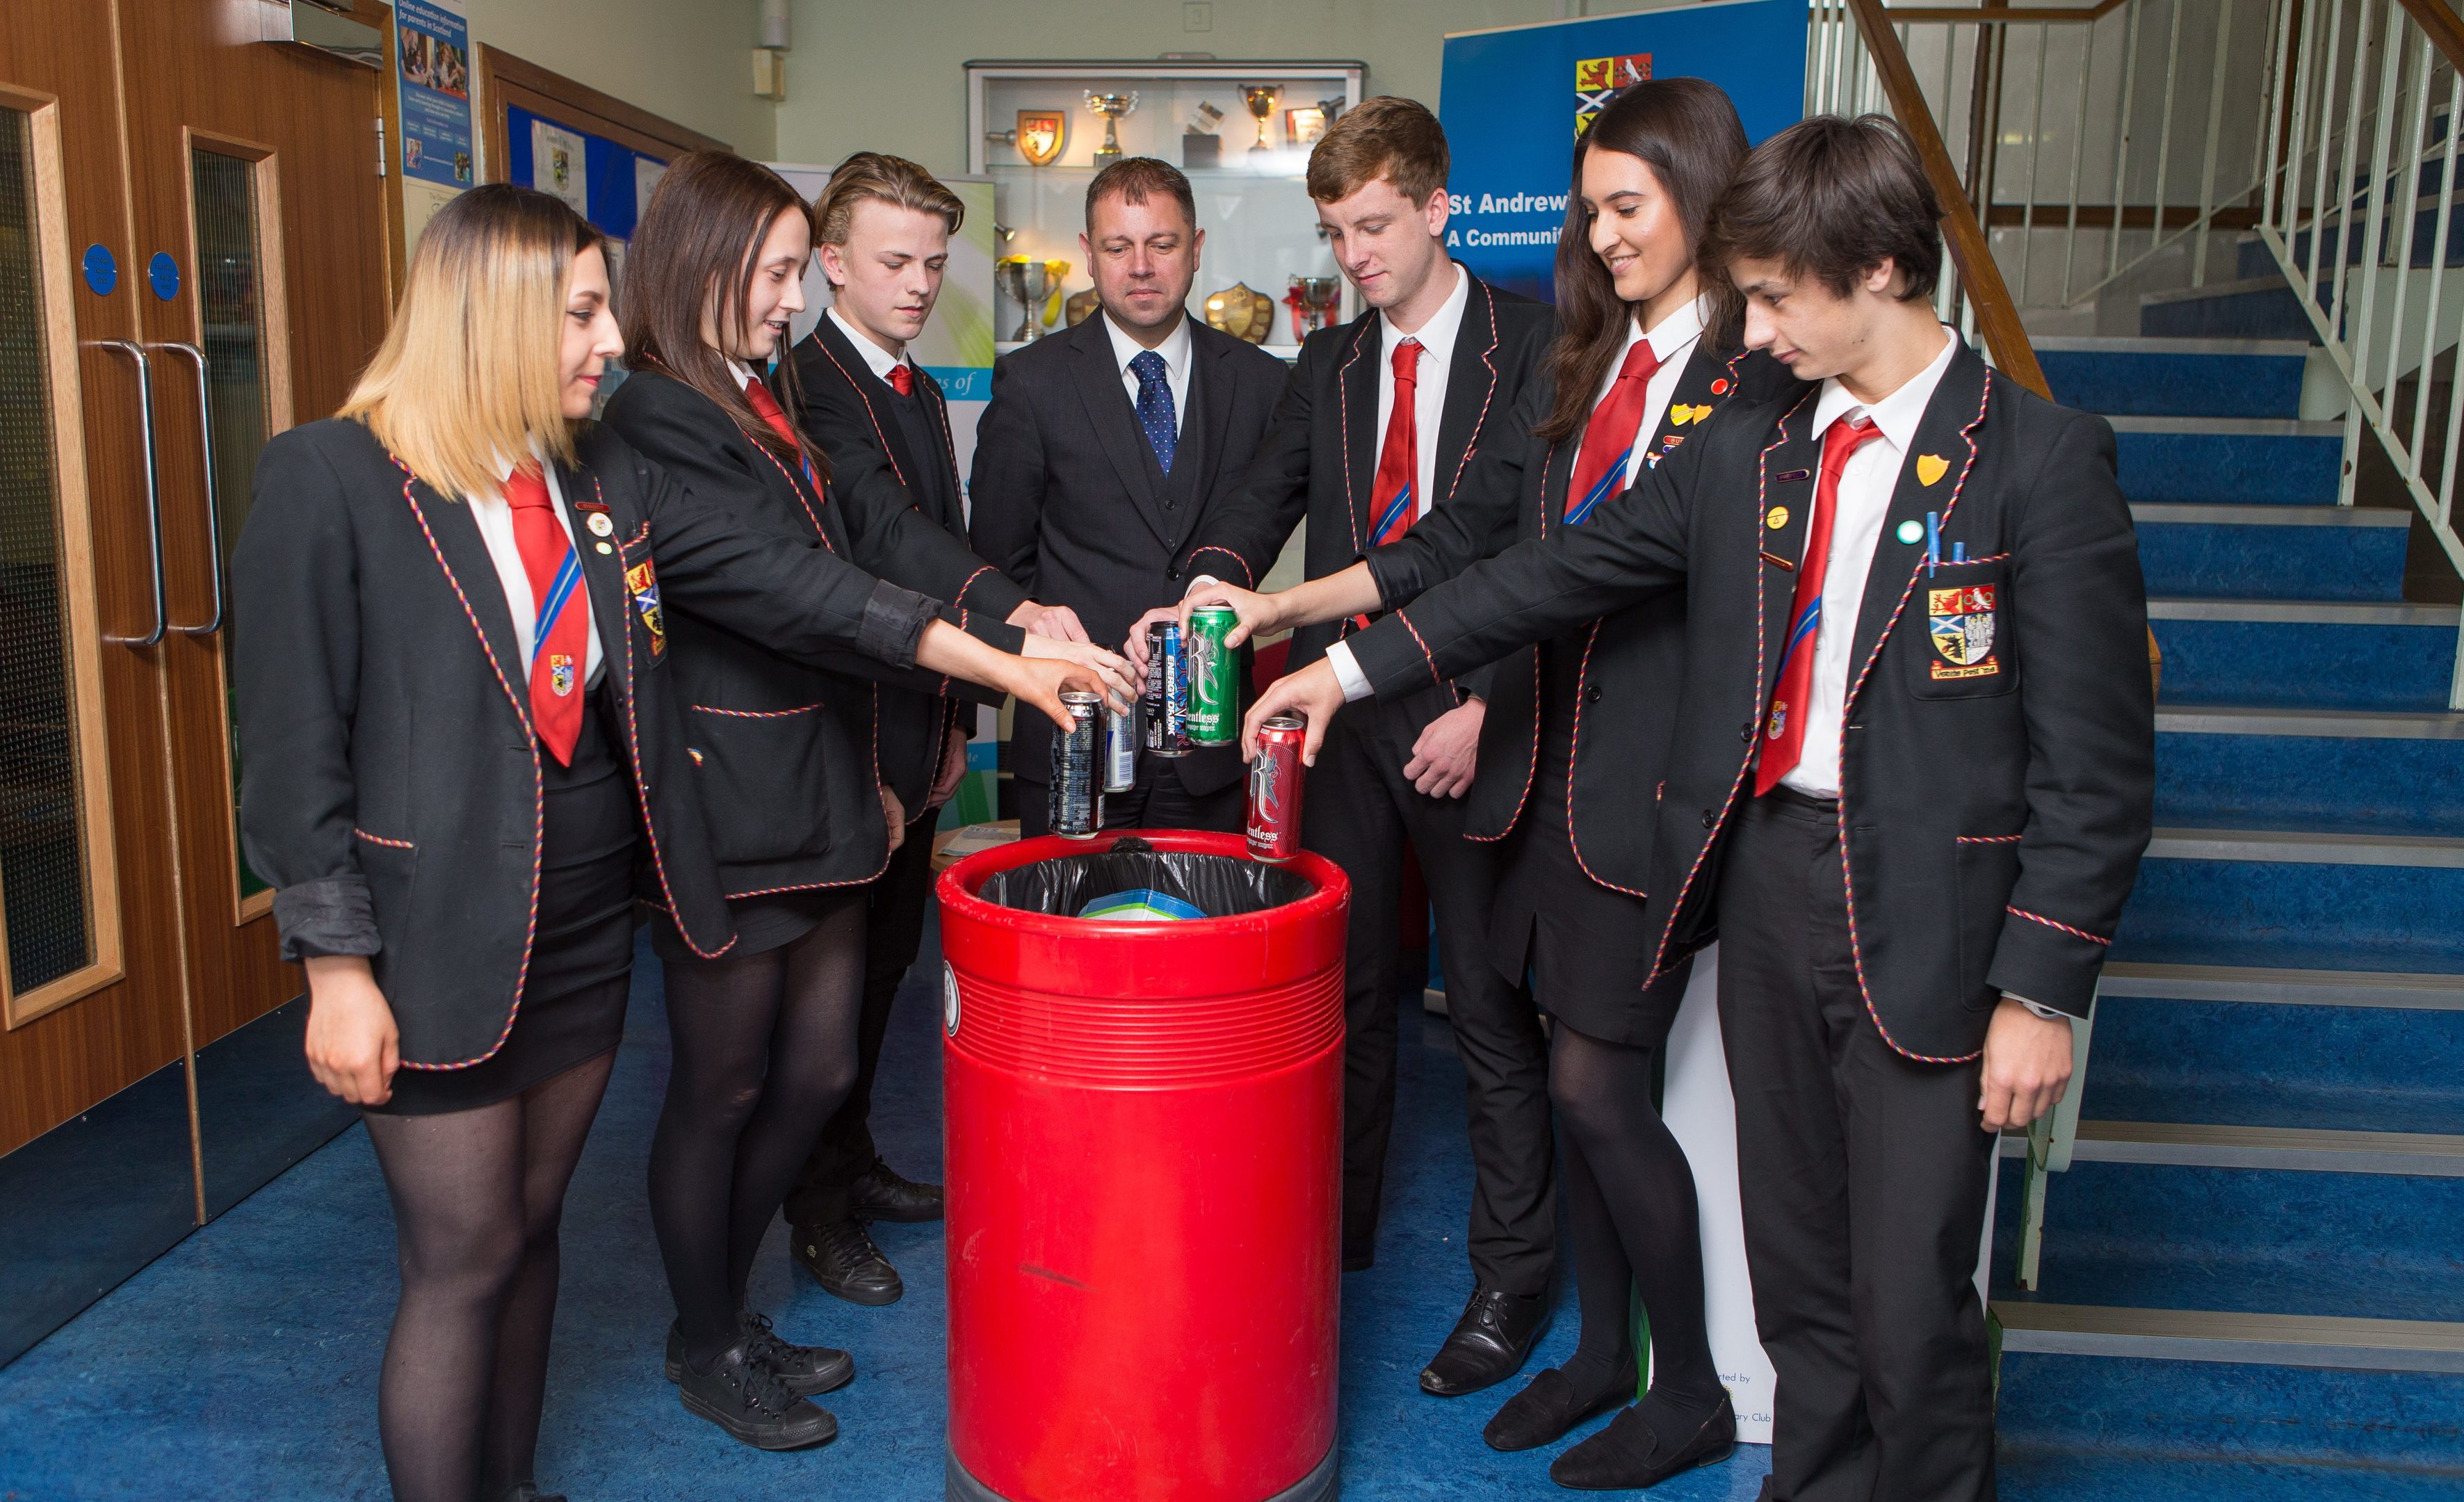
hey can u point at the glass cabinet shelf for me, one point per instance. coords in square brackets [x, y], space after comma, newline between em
[1204, 117]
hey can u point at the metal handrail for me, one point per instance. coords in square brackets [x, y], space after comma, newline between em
[213, 503]
[153, 491]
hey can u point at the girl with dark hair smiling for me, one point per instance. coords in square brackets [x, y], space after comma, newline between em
[1578, 730]
[764, 1030]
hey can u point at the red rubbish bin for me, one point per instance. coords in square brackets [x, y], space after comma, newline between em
[1142, 1137]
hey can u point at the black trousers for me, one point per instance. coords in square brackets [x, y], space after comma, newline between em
[1160, 802]
[1865, 1184]
[893, 932]
[1357, 811]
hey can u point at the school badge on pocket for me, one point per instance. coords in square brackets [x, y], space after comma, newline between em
[642, 583]
[1963, 633]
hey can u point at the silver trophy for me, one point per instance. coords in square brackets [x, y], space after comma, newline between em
[1110, 106]
[1029, 282]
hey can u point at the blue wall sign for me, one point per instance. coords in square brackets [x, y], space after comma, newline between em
[165, 274]
[101, 272]
[432, 73]
[1513, 100]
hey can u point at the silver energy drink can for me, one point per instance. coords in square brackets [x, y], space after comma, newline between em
[1213, 677]
[1077, 808]
[1120, 749]
[1167, 691]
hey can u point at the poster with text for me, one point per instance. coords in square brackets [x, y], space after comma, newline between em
[432, 73]
[558, 165]
[1513, 101]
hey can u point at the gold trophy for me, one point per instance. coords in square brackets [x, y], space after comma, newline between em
[1034, 284]
[1240, 313]
[1313, 301]
[1260, 99]
[1111, 107]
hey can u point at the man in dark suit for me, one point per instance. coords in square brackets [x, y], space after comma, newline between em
[1912, 780]
[1380, 423]
[1105, 452]
[885, 227]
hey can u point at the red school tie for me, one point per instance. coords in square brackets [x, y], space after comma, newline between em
[1609, 437]
[559, 635]
[1784, 732]
[1389, 493]
[902, 379]
[766, 408]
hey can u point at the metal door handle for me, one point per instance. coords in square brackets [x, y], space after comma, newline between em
[153, 493]
[213, 505]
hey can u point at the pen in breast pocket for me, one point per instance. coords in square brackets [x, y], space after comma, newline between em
[1933, 541]
[1959, 552]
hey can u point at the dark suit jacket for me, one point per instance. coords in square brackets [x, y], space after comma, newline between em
[390, 783]
[1320, 459]
[1068, 499]
[1993, 810]
[1628, 667]
[878, 477]
[784, 752]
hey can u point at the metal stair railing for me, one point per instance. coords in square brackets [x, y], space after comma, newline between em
[2390, 72]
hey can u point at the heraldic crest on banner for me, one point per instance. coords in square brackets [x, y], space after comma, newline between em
[1597, 79]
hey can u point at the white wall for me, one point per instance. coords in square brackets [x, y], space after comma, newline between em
[888, 76]
[690, 60]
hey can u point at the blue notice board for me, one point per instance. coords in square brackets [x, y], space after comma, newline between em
[605, 183]
[1513, 101]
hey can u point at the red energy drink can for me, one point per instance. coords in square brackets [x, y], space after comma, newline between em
[1275, 790]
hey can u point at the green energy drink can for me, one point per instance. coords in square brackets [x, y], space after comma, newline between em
[1213, 677]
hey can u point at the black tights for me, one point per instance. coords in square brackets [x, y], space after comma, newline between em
[1631, 1194]
[476, 1198]
[765, 1052]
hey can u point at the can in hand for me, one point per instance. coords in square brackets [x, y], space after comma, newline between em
[1213, 677]
[1167, 692]
[1077, 807]
[1120, 749]
[1275, 790]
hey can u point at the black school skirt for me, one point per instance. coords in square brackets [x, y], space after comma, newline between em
[573, 995]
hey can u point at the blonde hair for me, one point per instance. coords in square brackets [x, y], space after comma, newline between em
[469, 370]
[876, 177]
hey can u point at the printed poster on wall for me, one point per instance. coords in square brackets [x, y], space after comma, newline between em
[1513, 100]
[432, 74]
[605, 181]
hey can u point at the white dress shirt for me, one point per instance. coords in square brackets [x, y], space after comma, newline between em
[879, 361]
[1672, 339]
[1175, 350]
[1864, 503]
[1437, 340]
[495, 519]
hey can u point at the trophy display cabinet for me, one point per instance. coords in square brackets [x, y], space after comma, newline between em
[1241, 131]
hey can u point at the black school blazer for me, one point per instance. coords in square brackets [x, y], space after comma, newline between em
[1320, 456]
[785, 755]
[878, 477]
[1998, 754]
[1633, 661]
[391, 778]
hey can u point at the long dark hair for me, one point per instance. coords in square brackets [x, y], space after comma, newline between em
[1687, 132]
[696, 242]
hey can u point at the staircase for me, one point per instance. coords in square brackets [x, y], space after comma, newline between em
[2252, 1272]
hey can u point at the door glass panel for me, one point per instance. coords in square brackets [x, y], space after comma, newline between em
[44, 890]
[231, 332]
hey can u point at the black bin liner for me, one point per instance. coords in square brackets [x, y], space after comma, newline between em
[1218, 886]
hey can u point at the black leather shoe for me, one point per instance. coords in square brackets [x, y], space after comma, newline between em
[1488, 1345]
[844, 1261]
[742, 1396]
[807, 1370]
[1645, 1446]
[884, 1194]
[1548, 1408]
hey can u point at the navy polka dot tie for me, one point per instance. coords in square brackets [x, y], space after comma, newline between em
[1154, 406]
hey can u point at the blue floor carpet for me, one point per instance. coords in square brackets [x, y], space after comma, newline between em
[244, 1362]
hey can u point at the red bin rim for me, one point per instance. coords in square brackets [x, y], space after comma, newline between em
[959, 885]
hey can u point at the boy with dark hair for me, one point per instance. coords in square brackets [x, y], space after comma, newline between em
[1379, 422]
[1911, 784]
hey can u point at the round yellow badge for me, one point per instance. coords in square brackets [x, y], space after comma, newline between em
[1776, 517]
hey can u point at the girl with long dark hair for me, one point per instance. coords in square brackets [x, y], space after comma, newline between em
[1571, 758]
[463, 765]
[764, 1031]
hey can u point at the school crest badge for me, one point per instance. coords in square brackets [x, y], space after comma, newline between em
[641, 585]
[1598, 78]
[1962, 622]
[560, 672]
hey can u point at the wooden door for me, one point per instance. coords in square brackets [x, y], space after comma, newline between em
[91, 987]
